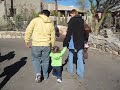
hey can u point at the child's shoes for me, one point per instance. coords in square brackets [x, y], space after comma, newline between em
[59, 80]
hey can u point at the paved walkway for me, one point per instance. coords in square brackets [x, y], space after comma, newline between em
[102, 70]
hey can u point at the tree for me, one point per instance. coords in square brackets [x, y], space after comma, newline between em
[56, 6]
[5, 5]
[83, 4]
[103, 6]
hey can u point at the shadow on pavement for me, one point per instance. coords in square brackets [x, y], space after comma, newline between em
[65, 62]
[8, 56]
[11, 70]
[74, 60]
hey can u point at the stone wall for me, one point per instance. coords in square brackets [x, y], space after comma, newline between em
[110, 44]
[20, 34]
[62, 29]
[11, 34]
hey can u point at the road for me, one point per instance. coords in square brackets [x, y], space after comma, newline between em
[102, 70]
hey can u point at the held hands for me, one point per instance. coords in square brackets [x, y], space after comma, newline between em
[28, 45]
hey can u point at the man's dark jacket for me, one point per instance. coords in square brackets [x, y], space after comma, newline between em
[75, 29]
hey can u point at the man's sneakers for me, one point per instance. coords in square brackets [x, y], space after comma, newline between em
[45, 78]
[59, 80]
[38, 78]
[53, 75]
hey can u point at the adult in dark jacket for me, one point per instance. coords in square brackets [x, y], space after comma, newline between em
[74, 40]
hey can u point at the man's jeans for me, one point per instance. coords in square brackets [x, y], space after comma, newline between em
[80, 65]
[40, 58]
[57, 72]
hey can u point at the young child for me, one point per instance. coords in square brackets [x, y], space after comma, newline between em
[56, 57]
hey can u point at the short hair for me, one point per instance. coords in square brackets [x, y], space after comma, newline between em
[46, 12]
[74, 11]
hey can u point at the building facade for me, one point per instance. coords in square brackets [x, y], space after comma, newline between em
[2, 9]
[62, 9]
[15, 6]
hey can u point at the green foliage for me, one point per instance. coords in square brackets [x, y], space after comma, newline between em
[24, 16]
[9, 26]
[82, 4]
[59, 15]
[63, 21]
[65, 18]
[53, 13]
[19, 21]
[31, 16]
[103, 6]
